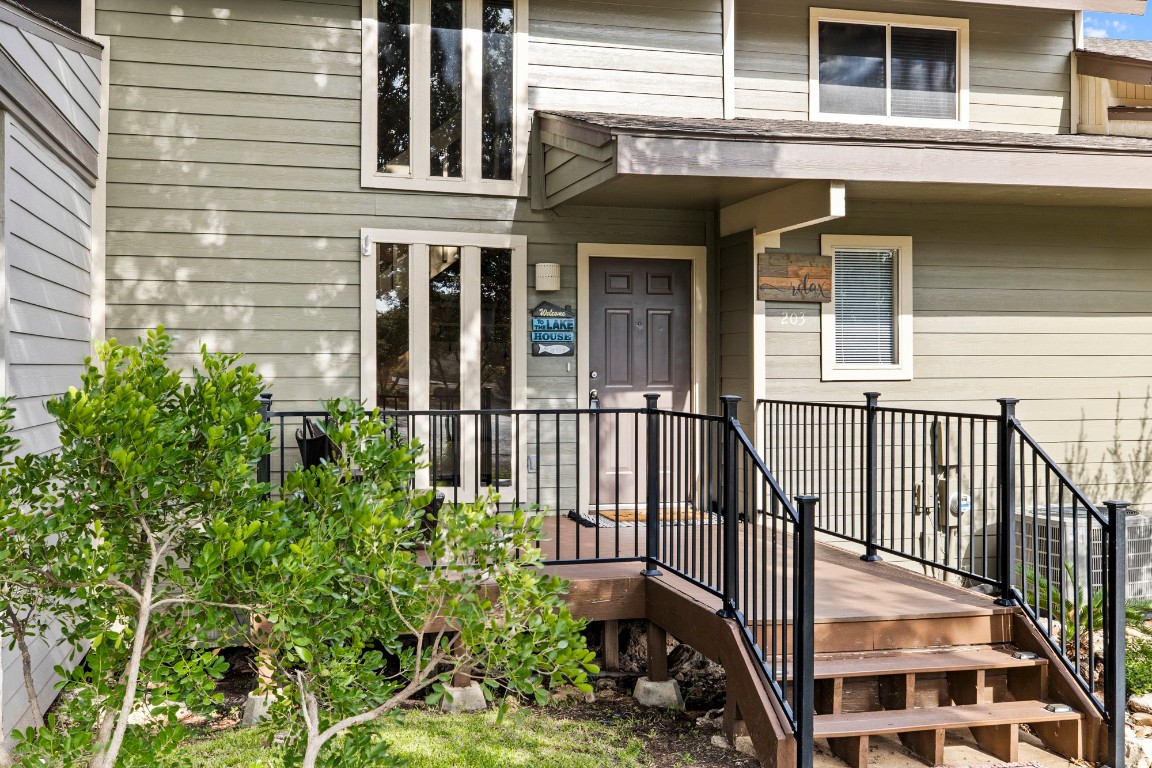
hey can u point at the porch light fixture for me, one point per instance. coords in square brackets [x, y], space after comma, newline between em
[366, 246]
[547, 276]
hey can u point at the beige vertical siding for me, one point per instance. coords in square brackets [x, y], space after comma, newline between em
[1046, 304]
[234, 191]
[639, 57]
[1020, 59]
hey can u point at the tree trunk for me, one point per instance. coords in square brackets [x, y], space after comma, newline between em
[18, 632]
[143, 616]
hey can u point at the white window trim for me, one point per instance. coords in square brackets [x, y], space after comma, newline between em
[960, 26]
[419, 180]
[902, 371]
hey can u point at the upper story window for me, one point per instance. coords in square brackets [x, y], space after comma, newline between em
[888, 68]
[443, 95]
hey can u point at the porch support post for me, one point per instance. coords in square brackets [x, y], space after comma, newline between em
[1114, 639]
[1006, 493]
[652, 554]
[870, 512]
[729, 403]
[804, 629]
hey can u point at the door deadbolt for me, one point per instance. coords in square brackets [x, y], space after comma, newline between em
[593, 374]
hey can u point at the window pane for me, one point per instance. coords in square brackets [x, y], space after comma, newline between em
[498, 97]
[392, 370]
[864, 292]
[924, 73]
[393, 111]
[852, 74]
[495, 363]
[446, 88]
[444, 356]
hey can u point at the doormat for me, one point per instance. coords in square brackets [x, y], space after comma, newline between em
[670, 514]
[996, 765]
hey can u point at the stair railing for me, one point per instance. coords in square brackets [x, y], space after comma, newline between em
[974, 500]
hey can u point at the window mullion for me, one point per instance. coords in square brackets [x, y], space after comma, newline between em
[419, 360]
[888, 70]
[473, 87]
[421, 88]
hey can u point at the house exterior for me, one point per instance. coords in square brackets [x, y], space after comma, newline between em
[258, 151]
[530, 204]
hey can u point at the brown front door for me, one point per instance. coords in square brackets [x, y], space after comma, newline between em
[640, 340]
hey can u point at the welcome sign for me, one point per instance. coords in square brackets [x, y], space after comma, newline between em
[553, 331]
[791, 277]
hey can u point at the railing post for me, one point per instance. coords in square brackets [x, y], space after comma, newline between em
[803, 613]
[652, 557]
[870, 469]
[1114, 629]
[731, 566]
[264, 466]
[1006, 498]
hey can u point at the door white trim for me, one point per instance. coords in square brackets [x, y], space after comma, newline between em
[697, 254]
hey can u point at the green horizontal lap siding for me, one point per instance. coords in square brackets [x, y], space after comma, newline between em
[1050, 305]
[234, 198]
[640, 57]
[1019, 77]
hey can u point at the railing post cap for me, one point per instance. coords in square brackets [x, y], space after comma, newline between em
[807, 498]
[1008, 400]
[872, 395]
[1117, 504]
[730, 398]
[651, 398]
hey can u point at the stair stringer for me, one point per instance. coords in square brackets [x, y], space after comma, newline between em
[695, 622]
[1063, 686]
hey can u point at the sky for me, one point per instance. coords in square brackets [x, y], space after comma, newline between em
[1118, 25]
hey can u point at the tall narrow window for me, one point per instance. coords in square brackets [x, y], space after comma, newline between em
[446, 113]
[496, 162]
[866, 327]
[392, 313]
[865, 288]
[444, 326]
[446, 89]
[393, 88]
[496, 363]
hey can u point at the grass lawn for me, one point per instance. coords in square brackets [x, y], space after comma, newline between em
[544, 739]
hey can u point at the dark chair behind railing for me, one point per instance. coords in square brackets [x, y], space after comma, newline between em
[973, 499]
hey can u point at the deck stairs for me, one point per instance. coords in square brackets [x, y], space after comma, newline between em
[918, 694]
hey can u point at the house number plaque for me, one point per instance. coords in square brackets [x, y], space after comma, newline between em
[553, 332]
[788, 277]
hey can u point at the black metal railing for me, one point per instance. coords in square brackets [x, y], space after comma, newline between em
[974, 500]
[710, 510]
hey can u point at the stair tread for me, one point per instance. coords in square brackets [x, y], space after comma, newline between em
[890, 721]
[896, 662]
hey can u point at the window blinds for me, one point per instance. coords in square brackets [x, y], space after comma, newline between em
[924, 73]
[864, 293]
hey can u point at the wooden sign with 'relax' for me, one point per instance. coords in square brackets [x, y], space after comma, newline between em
[790, 277]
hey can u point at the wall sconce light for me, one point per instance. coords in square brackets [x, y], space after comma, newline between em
[547, 276]
[366, 245]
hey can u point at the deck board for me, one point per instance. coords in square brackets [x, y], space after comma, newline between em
[847, 589]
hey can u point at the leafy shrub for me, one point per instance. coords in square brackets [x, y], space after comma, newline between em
[1138, 667]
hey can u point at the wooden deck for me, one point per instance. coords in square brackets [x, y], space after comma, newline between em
[847, 589]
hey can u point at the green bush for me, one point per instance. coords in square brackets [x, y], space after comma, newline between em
[1138, 667]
